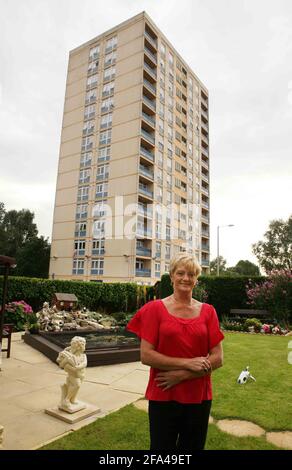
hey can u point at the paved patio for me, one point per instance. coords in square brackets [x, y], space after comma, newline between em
[30, 382]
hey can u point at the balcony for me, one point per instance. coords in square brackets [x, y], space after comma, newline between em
[205, 204]
[86, 147]
[101, 194]
[205, 164]
[81, 216]
[88, 131]
[204, 219]
[102, 177]
[152, 41]
[150, 55]
[205, 151]
[81, 233]
[145, 153]
[204, 126]
[146, 192]
[143, 272]
[149, 137]
[90, 100]
[205, 262]
[149, 86]
[204, 177]
[85, 163]
[204, 114]
[145, 172]
[151, 71]
[78, 271]
[205, 190]
[98, 251]
[97, 271]
[150, 120]
[143, 232]
[142, 251]
[142, 210]
[205, 232]
[151, 104]
[205, 139]
[205, 246]
[204, 101]
[82, 197]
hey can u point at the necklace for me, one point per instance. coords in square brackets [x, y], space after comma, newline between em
[188, 304]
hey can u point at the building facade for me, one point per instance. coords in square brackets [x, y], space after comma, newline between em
[133, 176]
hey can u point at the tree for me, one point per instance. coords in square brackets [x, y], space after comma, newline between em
[222, 265]
[33, 258]
[19, 239]
[17, 228]
[275, 251]
[245, 268]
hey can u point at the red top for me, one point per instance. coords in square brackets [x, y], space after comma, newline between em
[178, 337]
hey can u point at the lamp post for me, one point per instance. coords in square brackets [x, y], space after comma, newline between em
[218, 227]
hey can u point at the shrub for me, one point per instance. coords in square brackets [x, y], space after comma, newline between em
[253, 322]
[20, 314]
[274, 295]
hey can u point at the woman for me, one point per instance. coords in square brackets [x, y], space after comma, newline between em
[181, 342]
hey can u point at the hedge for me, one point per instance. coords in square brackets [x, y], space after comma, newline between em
[223, 292]
[110, 297]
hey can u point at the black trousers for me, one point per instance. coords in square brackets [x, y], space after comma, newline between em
[177, 426]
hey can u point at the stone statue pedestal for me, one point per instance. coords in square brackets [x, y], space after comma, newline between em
[73, 417]
[73, 408]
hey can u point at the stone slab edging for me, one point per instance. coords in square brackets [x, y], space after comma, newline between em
[241, 428]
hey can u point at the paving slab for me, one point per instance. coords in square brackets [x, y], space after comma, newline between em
[240, 428]
[135, 382]
[281, 439]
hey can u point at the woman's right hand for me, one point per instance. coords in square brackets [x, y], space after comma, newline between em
[198, 364]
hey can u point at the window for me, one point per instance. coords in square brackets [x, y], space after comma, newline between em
[158, 230]
[97, 266]
[89, 111]
[99, 209]
[160, 145]
[158, 249]
[102, 172]
[79, 247]
[78, 266]
[161, 126]
[167, 232]
[170, 102]
[159, 175]
[81, 211]
[92, 81]
[162, 80]
[94, 52]
[83, 193]
[169, 164]
[169, 149]
[104, 154]
[106, 121]
[160, 159]
[84, 176]
[159, 194]
[107, 105]
[167, 251]
[85, 159]
[170, 59]
[110, 59]
[98, 247]
[169, 133]
[88, 127]
[98, 229]
[80, 229]
[105, 137]
[111, 44]
[161, 110]
[108, 89]
[162, 65]
[92, 67]
[90, 97]
[170, 89]
[168, 197]
[101, 190]
[168, 180]
[157, 269]
[87, 143]
[166, 267]
[109, 73]
[162, 49]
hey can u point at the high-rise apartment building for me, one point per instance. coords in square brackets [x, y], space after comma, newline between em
[133, 176]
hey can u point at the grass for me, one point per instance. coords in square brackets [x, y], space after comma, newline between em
[265, 402]
[127, 429]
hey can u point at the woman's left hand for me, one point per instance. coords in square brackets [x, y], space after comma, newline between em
[169, 378]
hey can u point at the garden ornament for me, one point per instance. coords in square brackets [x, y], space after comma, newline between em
[244, 376]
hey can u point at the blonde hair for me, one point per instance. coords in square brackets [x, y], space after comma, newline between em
[187, 260]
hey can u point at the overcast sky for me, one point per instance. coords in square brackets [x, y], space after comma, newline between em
[240, 49]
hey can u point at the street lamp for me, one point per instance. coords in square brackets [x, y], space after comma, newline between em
[218, 227]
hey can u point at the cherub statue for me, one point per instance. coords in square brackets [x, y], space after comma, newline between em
[74, 361]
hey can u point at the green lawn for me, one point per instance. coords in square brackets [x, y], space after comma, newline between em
[265, 402]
